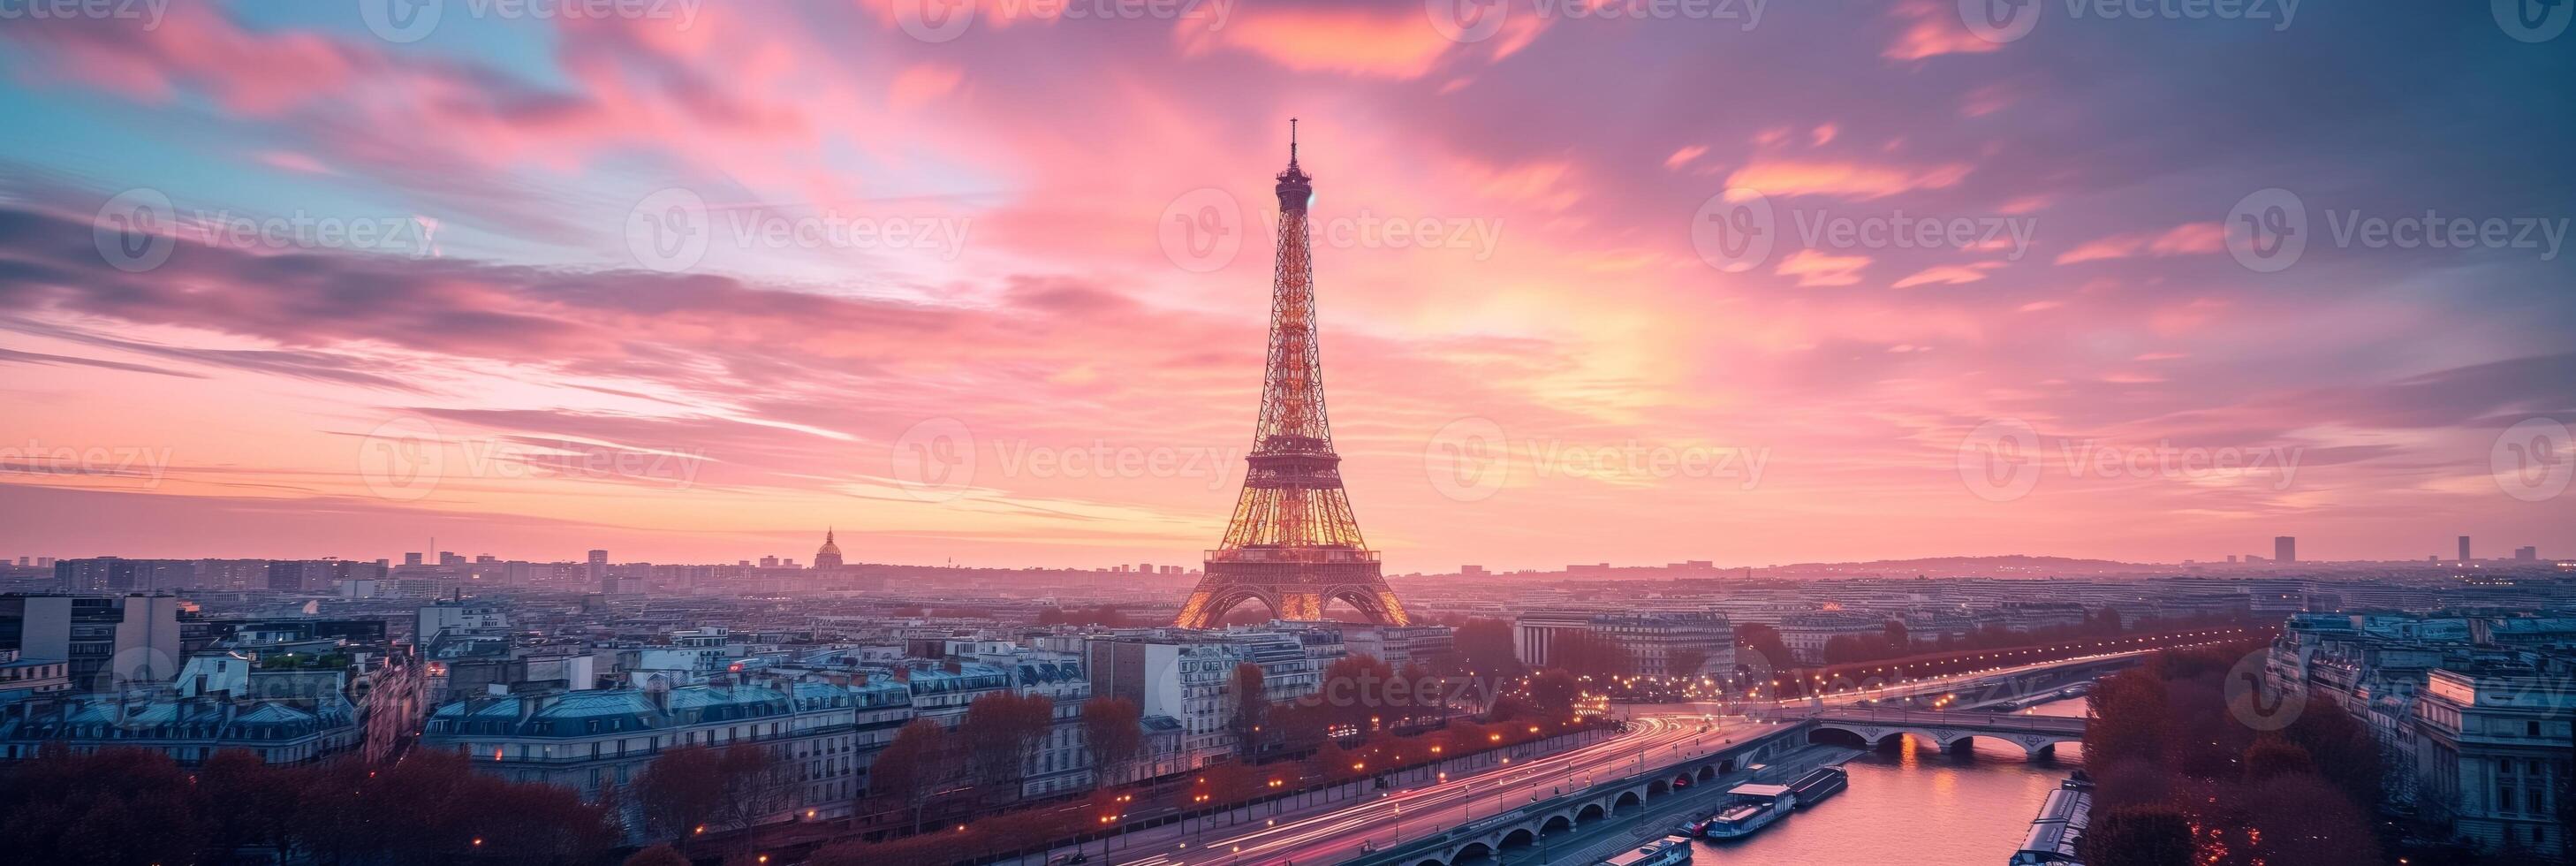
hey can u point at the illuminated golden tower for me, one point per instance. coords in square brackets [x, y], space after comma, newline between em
[1293, 544]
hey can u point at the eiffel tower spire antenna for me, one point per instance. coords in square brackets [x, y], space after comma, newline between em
[1292, 544]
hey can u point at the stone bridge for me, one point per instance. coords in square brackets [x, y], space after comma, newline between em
[1487, 840]
[2037, 735]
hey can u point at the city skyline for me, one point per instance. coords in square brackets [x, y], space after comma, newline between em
[635, 283]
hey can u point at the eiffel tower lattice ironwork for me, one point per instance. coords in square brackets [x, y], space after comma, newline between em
[1292, 544]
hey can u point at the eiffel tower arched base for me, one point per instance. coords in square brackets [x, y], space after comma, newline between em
[1297, 593]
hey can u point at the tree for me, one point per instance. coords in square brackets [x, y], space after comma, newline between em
[2272, 756]
[750, 784]
[681, 792]
[1763, 642]
[1552, 694]
[1001, 732]
[1251, 708]
[912, 768]
[116, 805]
[1583, 653]
[247, 802]
[1484, 647]
[2138, 836]
[658, 855]
[1113, 732]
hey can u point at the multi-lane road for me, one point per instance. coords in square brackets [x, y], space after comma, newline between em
[1426, 801]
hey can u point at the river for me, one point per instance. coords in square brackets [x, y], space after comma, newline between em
[1917, 806]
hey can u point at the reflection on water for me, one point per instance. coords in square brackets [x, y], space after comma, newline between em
[1917, 806]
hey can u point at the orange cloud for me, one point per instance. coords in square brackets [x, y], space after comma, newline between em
[2184, 239]
[1355, 41]
[920, 84]
[1855, 180]
[1947, 275]
[1936, 30]
[1813, 268]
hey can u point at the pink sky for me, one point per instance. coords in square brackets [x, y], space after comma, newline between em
[998, 296]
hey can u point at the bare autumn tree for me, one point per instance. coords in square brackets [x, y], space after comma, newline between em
[912, 768]
[750, 784]
[2138, 836]
[658, 855]
[1000, 733]
[1251, 708]
[1113, 731]
[680, 792]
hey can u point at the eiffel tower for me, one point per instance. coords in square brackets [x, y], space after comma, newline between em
[1293, 544]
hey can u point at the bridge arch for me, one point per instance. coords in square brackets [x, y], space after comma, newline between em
[1706, 772]
[1557, 824]
[1626, 800]
[1590, 812]
[1659, 787]
[1473, 852]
